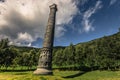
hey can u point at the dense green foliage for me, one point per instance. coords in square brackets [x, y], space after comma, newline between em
[102, 53]
[17, 56]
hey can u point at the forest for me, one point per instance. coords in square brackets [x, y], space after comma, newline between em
[99, 54]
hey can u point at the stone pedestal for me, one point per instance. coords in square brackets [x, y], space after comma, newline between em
[43, 71]
[45, 62]
[45, 59]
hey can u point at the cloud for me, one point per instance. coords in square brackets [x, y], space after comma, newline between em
[2, 0]
[59, 31]
[112, 2]
[82, 2]
[25, 36]
[87, 23]
[23, 21]
[23, 39]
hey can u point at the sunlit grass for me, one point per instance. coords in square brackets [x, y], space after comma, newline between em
[62, 75]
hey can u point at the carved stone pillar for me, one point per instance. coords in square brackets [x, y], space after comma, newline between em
[45, 59]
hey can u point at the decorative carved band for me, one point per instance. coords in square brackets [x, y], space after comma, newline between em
[45, 57]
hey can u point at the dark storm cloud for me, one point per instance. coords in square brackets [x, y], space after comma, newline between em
[17, 23]
[26, 20]
[2, 0]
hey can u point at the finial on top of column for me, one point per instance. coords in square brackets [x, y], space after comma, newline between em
[53, 6]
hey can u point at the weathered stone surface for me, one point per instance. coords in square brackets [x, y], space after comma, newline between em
[43, 71]
[45, 59]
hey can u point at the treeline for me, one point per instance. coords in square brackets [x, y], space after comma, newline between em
[102, 54]
[99, 54]
[11, 56]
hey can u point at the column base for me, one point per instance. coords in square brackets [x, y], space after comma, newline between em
[43, 71]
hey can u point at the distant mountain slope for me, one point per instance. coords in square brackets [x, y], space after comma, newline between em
[112, 39]
[101, 53]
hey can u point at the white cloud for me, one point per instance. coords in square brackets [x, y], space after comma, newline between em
[25, 37]
[59, 31]
[112, 2]
[87, 24]
[3, 36]
[27, 19]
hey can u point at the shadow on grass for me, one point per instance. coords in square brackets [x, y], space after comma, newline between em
[76, 75]
[21, 73]
[16, 70]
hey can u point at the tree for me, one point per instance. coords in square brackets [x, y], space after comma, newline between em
[15, 62]
[58, 58]
[4, 43]
[72, 55]
[33, 58]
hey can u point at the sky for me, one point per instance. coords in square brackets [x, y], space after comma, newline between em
[24, 21]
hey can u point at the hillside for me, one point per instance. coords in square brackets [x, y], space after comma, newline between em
[113, 38]
[102, 53]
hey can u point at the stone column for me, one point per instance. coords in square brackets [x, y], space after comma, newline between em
[45, 59]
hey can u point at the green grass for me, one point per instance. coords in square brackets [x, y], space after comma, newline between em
[62, 75]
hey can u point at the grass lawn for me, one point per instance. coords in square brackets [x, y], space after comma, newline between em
[62, 75]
